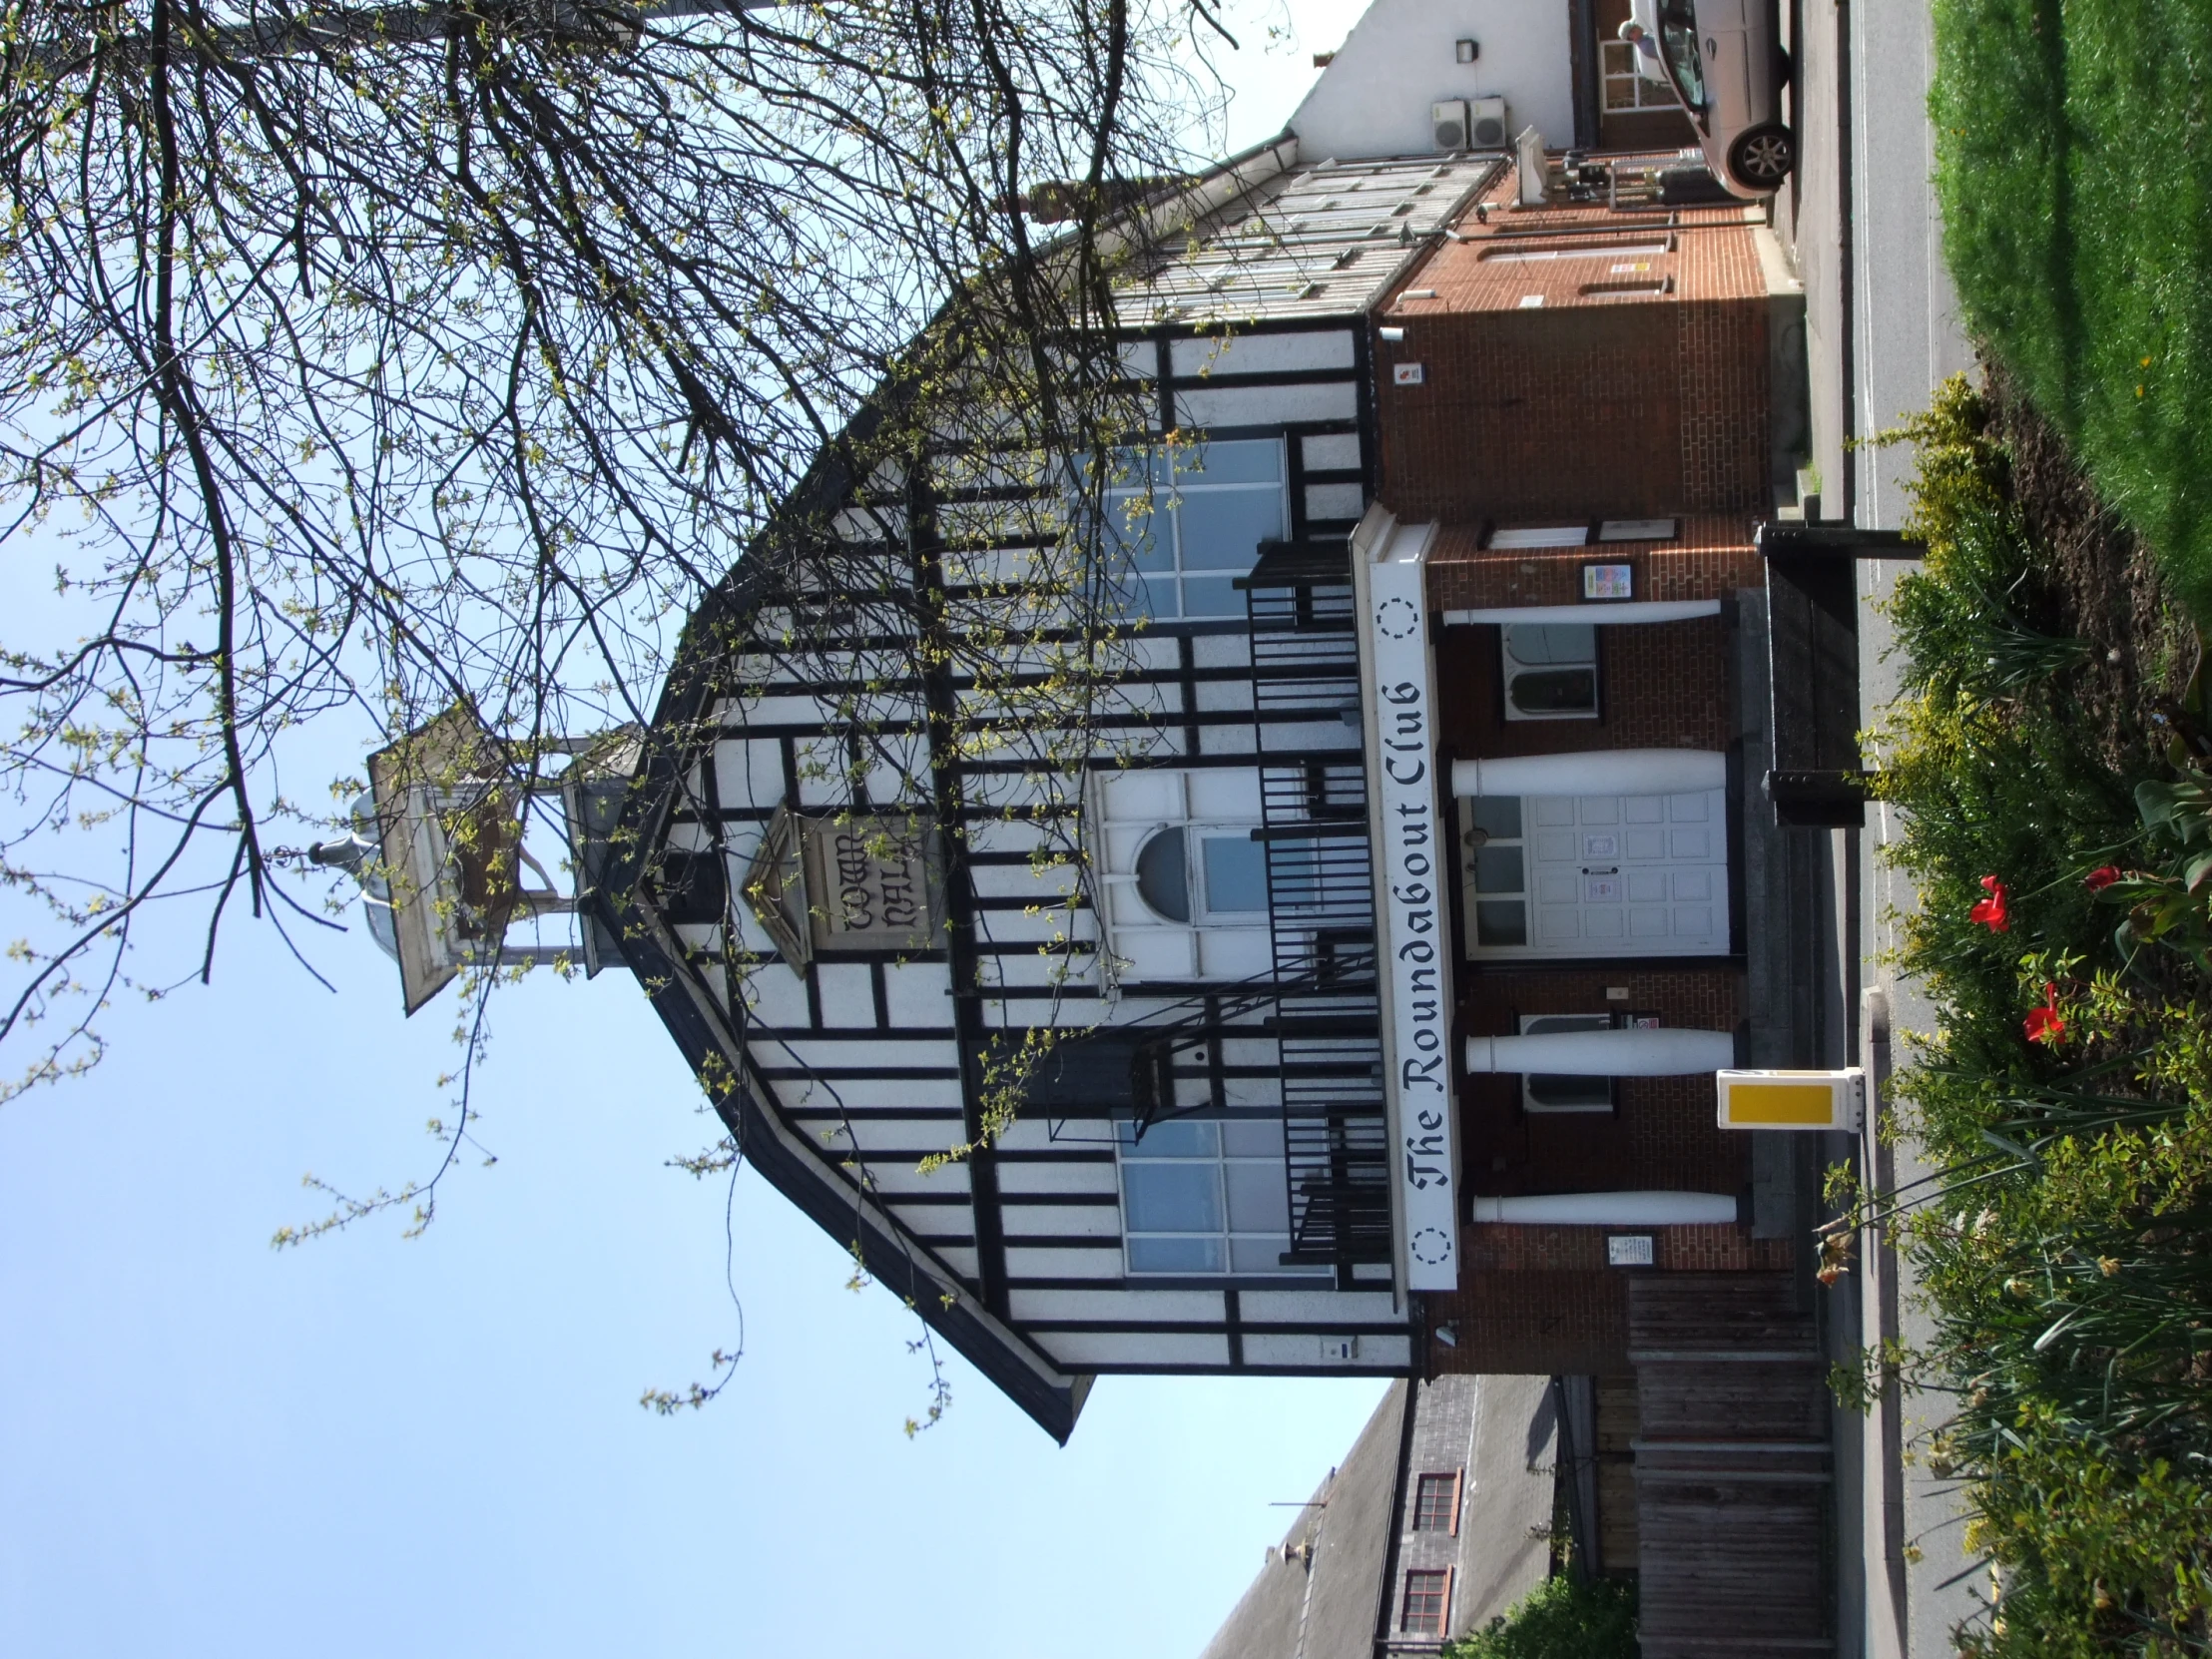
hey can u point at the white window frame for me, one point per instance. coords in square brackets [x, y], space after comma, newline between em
[1508, 663]
[1649, 94]
[1226, 1234]
[1473, 945]
[1533, 1023]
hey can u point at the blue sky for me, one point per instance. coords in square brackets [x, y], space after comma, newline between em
[433, 1447]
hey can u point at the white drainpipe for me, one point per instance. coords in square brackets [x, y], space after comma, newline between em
[1663, 1052]
[1609, 1210]
[1635, 610]
[1594, 771]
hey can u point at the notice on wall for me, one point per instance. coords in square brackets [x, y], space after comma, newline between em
[1411, 865]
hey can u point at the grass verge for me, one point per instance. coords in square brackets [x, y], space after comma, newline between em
[2074, 172]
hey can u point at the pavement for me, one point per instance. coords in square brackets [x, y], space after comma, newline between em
[1861, 224]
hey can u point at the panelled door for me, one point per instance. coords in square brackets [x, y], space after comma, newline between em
[1597, 875]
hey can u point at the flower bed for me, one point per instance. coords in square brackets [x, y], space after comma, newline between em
[2061, 846]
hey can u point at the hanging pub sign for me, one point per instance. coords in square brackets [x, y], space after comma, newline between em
[848, 883]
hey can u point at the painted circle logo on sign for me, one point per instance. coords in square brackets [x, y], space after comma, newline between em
[1397, 619]
[1430, 1245]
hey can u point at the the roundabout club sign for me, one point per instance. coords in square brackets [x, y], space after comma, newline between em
[1412, 864]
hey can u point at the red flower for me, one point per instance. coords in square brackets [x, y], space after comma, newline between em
[2046, 1024]
[1990, 911]
[2101, 877]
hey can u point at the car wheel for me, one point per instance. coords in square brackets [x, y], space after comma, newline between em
[1762, 157]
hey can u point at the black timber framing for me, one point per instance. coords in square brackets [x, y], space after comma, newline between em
[714, 1036]
[807, 1184]
[947, 801]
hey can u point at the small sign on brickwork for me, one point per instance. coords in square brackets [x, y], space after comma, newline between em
[1608, 581]
[1628, 1250]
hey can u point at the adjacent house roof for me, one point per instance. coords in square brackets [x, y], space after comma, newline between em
[1331, 1590]
[1325, 1608]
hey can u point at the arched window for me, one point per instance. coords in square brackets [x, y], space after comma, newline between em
[1164, 875]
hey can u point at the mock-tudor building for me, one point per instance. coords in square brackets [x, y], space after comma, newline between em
[1420, 920]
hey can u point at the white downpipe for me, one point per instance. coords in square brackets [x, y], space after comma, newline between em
[1604, 615]
[1609, 1210]
[1664, 1052]
[1594, 771]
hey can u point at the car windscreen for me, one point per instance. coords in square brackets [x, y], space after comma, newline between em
[1678, 46]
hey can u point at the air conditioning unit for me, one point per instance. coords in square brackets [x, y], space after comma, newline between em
[1448, 121]
[1488, 129]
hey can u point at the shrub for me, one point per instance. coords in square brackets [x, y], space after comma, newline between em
[1563, 1618]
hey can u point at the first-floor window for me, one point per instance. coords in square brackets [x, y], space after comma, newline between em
[1426, 1596]
[1497, 859]
[1436, 1503]
[1545, 1092]
[1550, 670]
[1205, 1195]
[1230, 867]
[1190, 520]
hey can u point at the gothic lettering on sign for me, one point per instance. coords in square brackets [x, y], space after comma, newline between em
[1413, 915]
[882, 880]
[873, 883]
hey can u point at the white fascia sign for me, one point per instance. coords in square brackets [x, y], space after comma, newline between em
[1413, 865]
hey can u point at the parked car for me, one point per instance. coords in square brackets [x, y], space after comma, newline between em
[1726, 66]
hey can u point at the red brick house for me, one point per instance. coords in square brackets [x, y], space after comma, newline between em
[1560, 387]
[1577, 416]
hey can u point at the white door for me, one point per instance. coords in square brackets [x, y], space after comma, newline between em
[1597, 875]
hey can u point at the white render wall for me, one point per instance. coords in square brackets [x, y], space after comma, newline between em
[1374, 99]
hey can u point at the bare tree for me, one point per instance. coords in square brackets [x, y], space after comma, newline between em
[361, 363]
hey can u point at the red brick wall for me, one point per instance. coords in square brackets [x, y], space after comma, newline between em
[1623, 413]
[1581, 408]
[1709, 558]
[1585, 405]
[1570, 1323]
[1501, 1247]
[1542, 1299]
[1660, 686]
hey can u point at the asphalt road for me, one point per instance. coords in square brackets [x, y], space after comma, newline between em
[1882, 332]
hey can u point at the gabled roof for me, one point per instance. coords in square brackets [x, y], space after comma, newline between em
[1268, 241]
